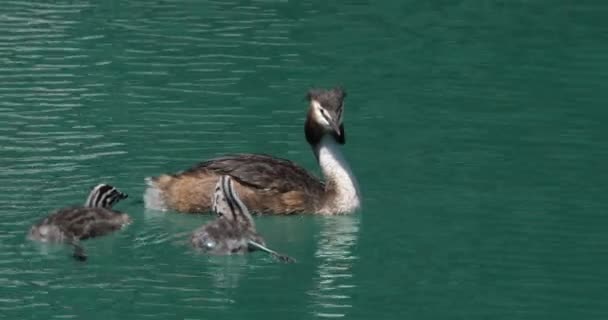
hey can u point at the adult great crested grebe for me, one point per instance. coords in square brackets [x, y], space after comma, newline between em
[233, 232]
[72, 224]
[268, 184]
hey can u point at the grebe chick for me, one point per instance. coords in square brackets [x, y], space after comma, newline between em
[268, 184]
[233, 231]
[72, 224]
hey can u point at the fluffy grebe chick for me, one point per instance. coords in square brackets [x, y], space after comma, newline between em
[73, 224]
[233, 232]
[268, 184]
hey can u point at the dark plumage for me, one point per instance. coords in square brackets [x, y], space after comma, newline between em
[260, 171]
[72, 224]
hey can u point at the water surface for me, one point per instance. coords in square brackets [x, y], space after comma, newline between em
[476, 131]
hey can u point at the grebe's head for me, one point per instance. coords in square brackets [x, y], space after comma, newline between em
[325, 115]
[104, 196]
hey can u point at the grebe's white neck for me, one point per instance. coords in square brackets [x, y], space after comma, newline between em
[341, 185]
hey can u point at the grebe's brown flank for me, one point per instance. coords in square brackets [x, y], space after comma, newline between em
[268, 184]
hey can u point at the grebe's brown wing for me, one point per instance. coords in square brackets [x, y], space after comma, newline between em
[262, 172]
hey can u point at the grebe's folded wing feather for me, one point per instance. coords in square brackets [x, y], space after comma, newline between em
[261, 171]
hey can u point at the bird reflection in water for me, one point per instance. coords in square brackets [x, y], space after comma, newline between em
[334, 277]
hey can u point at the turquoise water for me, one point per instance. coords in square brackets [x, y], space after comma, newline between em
[476, 130]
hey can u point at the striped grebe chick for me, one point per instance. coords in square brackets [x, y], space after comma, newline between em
[268, 184]
[233, 231]
[72, 224]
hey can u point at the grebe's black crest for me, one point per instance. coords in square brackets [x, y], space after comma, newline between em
[104, 196]
[332, 99]
[325, 115]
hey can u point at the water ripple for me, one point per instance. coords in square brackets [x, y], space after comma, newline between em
[334, 282]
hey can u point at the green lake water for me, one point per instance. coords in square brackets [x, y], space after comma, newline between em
[476, 129]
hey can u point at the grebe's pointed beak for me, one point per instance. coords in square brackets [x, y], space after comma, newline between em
[335, 126]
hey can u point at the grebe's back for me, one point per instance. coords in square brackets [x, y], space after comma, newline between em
[265, 183]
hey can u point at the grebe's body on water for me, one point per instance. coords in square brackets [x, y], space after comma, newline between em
[72, 224]
[233, 232]
[272, 185]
